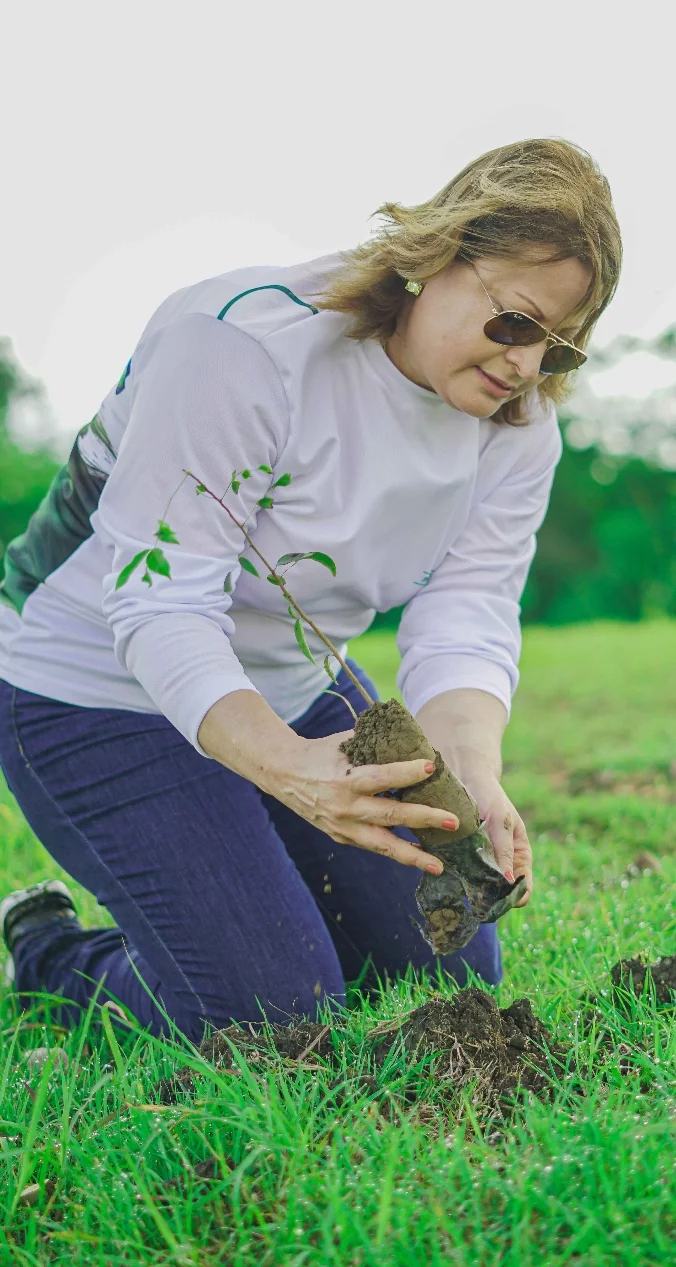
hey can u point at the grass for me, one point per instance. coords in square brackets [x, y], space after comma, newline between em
[312, 1172]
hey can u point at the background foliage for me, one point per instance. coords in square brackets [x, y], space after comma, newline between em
[24, 476]
[607, 547]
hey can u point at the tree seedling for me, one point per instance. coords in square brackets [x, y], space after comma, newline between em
[472, 888]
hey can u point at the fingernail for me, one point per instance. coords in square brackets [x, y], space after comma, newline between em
[434, 868]
[429, 766]
[509, 875]
[451, 824]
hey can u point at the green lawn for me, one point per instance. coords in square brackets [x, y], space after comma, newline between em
[316, 1174]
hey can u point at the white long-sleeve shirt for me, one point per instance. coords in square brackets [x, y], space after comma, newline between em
[416, 502]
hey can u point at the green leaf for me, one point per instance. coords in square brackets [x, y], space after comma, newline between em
[300, 639]
[290, 558]
[292, 613]
[201, 488]
[227, 584]
[267, 469]
[157, 562]
[249, 567]
[324, 559]
[147, 577]
[235, 485]
[246, 475]
[165, 533]
[265, 502]
[274, 580]
[328, 669]
[131, 567]
[283, 479]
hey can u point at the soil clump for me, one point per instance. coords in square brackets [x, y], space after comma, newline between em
[297, 1041]
[471, 1040]
[630, 974]
[472, 889]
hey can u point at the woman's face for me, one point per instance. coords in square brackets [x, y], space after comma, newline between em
[440, 342]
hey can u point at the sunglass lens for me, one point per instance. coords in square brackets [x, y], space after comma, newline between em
[515, 329]
[561, 360]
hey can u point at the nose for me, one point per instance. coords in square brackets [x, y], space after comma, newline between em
[527, 361]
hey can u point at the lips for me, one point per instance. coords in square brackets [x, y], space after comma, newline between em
[494, 386]
[498, 381]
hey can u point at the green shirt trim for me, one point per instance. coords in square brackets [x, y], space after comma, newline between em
[272, 286]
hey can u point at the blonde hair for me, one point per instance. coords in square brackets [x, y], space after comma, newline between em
[510, 200]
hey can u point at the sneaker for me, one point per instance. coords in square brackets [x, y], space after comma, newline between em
[27, 909]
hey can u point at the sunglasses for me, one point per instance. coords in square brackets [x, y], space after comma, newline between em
[519, 330]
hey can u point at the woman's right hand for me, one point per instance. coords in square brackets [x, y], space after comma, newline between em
[315, 779]
[323, 787]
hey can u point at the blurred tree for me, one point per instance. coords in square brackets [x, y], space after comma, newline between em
[608, 544]
[24, 476]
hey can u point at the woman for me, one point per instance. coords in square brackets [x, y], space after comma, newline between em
[165, 738]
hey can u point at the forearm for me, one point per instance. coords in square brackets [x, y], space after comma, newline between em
[467, 727]
[243, 733]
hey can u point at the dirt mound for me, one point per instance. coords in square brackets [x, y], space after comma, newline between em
[298, 1041]
[468, 1036]
[471, 1039]
[608, 1018]
[630, 974]
[293, 1041]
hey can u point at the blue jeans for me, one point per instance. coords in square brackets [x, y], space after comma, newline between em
[227, 903]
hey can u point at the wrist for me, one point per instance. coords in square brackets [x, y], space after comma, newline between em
[467, 728]
[245, 735]
[285, 768]
[472, 763]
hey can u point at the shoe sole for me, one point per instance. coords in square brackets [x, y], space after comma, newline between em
[32, 896]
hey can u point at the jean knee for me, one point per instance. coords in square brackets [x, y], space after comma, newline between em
[482, 956]
[281, 1002]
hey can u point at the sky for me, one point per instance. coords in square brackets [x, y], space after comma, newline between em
[146, 146]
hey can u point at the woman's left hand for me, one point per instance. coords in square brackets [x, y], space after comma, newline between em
[504, 826]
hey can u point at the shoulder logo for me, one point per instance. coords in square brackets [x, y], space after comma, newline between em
[427, 577]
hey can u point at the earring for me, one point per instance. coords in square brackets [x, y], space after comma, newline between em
[414, 287]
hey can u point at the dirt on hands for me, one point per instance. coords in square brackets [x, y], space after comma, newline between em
[472, 889]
